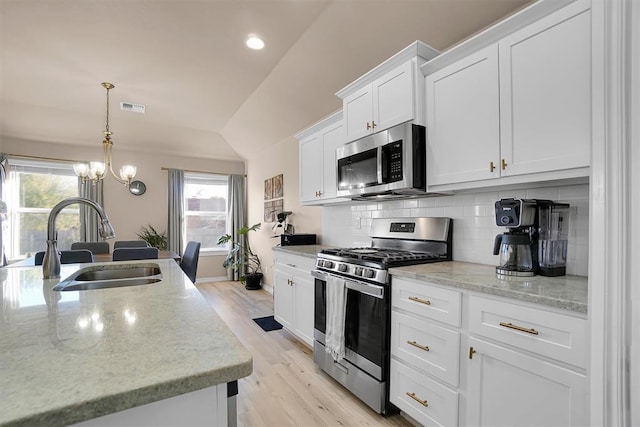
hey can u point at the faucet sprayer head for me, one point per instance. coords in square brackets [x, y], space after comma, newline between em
[106, 230]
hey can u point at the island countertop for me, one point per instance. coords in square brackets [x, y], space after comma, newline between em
[70, 356]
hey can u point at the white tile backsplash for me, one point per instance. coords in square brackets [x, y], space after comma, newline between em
[473, 217]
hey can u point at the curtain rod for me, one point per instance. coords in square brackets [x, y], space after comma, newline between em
[164, 168]
[21, 156]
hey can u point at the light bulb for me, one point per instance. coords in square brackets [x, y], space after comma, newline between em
[127, 172]
[81, 169]
[96, 169]
[255, 43]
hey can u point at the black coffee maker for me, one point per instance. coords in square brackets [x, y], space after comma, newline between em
[536, 240]
[517, 247]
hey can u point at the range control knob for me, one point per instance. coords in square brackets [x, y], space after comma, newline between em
[328, 264]
[358, 271]
[342, 267]
[320, 263]
[369, 274]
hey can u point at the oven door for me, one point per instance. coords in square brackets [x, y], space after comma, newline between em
[366, 323]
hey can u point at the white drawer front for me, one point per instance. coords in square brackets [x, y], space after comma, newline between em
[299, 262]
[561, 337]
[422, 299]
[424, 399]
[432, 348]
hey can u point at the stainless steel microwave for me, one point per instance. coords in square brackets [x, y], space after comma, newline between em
[388, 164]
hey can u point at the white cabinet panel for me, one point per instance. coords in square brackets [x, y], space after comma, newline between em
[310, 168]
[393, 98]
[432, 302]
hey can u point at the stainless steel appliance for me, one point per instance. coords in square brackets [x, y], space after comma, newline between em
[388, 164]
[395, 242]
[287, 239]
[536, 240]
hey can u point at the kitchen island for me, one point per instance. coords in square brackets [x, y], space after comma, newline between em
[67, 357]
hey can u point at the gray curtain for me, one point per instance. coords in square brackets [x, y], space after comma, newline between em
[236, 215]
[176, 210]
[3, 176]
[89, 221]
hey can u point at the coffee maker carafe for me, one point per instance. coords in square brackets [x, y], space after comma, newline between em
[518, 246]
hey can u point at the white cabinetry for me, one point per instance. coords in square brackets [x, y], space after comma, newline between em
[425, 351]
[533, 373]
[293, 293]
[318, 146]
[459, 357]
[388, 95]
[518, 109]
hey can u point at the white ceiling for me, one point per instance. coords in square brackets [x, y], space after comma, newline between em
[206, 94]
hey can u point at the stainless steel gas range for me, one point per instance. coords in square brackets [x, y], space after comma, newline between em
[363, 272]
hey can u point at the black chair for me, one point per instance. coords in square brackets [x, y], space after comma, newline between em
[94, 247]
[130, 244]
[189, 262]
[67, 257]
[128, 254]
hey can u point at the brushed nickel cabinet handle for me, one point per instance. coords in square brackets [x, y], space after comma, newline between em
[421, 347]
[417, 399]
[420, 300]
[519, 328]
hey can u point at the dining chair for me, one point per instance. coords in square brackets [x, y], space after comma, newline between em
[189, 262]
[130, 244]
[67, 257]
[94, 247]
[128, 254]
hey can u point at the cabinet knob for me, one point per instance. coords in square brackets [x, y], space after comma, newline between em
[491, 167]
[368, 126]
[373, 124]
[504, 164]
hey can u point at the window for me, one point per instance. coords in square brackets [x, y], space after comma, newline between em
[205, 209]
[34, 187]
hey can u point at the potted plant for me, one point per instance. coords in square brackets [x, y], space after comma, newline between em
[241, 255]
[154, 238]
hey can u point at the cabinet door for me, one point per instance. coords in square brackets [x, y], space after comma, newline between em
[394, 97]
[509, 388]
[332, 138]
[303, 308]
[545, 93]
[310, 168]
[463, 123]
[358, 114]
[283, 298]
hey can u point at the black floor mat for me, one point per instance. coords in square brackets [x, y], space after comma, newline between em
[268, 323]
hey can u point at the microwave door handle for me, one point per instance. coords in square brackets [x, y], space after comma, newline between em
[379, 164]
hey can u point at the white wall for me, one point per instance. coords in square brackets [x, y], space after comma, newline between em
[473, 218]
[128, 213]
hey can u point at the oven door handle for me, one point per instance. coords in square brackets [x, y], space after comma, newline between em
[319, 275]
[366, 288]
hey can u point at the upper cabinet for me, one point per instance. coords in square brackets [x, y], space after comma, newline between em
[318, 145]
[517, 109]
[388, 95]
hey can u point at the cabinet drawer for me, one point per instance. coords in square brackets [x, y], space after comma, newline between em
[299, 262]
[425, 300]
[424, 399]
[561, 337]
[432, 348]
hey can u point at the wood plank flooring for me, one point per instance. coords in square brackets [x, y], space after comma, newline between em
[286, 388]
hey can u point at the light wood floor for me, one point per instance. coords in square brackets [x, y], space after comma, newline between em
[286, 388]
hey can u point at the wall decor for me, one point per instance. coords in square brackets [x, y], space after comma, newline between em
[268, 189]
[278, 183]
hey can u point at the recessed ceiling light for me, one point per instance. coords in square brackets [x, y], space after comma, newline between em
[255, 42]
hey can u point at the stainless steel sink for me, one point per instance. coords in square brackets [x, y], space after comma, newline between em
[111, 276]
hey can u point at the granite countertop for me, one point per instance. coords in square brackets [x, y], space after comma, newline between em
[565, 292]
[76, 355]
[308, 251]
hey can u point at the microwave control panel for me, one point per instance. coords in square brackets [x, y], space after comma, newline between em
[393, 154]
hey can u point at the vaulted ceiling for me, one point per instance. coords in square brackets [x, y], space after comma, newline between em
[206, 94]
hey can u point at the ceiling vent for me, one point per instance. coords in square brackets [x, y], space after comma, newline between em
[128, 106]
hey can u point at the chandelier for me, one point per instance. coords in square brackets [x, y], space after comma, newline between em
[95, 171]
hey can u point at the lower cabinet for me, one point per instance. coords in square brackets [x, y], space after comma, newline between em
[293, 294]
[463, 358]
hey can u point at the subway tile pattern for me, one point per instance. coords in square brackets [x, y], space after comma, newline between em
[473, 218]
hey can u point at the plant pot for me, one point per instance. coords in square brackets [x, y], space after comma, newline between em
[253, 281]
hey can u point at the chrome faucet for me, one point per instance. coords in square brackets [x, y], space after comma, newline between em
[51, 262]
